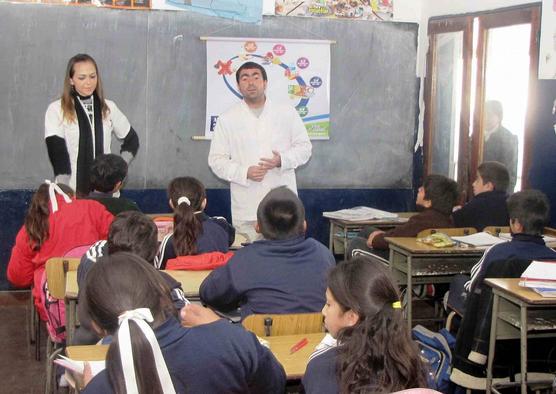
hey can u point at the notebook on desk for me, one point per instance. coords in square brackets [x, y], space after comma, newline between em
[360, 214]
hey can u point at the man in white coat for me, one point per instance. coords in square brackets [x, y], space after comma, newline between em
[256, 147]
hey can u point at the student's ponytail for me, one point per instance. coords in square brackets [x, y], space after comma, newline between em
[187, 195]
[36, 220]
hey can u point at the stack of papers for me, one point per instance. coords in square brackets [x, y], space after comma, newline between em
[541, 277]
[78, 366]
[480, 239]
[360, 214]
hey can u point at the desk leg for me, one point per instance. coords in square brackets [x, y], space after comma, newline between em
[523, 340]
[492, 342]
[331, 238]
[409, 292]
[70, 320]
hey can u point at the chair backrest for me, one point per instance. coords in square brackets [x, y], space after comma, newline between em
[287, 324]
[78, 251]
[56, 269]
[370, 257]
[496, 230]
[451, 231]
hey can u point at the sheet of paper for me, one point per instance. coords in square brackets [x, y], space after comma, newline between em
[77, 366]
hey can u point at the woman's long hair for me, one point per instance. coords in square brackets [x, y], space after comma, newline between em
[187, 227]
[123, 282]
[67, 100]
[376, 355]
[36, 220]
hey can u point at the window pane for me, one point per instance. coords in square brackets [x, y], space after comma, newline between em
[448, 85]
[506, 87]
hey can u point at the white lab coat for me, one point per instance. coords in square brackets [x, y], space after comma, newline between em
[241, 140]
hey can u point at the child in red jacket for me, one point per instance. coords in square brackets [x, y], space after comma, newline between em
[55, 223]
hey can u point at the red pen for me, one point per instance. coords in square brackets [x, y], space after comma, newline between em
[299, 345]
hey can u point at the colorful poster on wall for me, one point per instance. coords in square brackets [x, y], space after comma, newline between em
[547, 49]
[241, 10]
[298, 74]
[345, 9]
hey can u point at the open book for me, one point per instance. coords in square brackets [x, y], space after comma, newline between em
[479, 239]
[78, 366]
[360, 214]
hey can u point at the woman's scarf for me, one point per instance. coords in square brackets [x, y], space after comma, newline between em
[85, 155]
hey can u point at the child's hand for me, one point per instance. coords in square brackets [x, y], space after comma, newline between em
[81, 380]
[372, 236]
[195, 315]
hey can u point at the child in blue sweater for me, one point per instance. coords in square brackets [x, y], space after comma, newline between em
[282, 273]
[152, 353]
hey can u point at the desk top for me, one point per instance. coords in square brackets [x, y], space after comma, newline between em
[411, 245]
[190, 282]
[511, 286]
[294, 364]
[402, 218]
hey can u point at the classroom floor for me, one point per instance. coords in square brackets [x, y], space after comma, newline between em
[19, 371]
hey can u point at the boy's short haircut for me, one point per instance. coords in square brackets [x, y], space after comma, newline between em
[496, 173]
[107, 170]
[134, 232]
[531, 208]
[251, 66]
[281, 214]
[442, 192]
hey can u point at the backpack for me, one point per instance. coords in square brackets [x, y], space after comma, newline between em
[55, 313]
[435, 351]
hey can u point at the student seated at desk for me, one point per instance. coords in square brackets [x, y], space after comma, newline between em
[435, 199]
[375, 353]
[194, 231]
[129, 300]
[55, 223]
[132, 232]
[488, 207]
[282, 273]
[108, 173]
[529, 213]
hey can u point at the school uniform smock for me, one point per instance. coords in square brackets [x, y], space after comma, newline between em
[271, 276]
[217, 236]
[241, 139]
[81, 222]
[115, 205]
[485, 209]
[213, 358]
[321, 376]
[63, 140]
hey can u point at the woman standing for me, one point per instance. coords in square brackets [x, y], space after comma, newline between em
[79, 125]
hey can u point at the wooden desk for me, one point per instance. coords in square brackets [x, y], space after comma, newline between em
[190, 281]
[339, 230]
[294, 364]
[518, 312]
[414, 262]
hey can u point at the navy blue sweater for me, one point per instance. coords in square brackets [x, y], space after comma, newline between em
[485, 209]
[217, 236]
[271, 276]
[213, 358]
[321, 376]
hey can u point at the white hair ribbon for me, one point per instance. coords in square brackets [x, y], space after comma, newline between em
[53, 188]
[139, 316]
[184, 199]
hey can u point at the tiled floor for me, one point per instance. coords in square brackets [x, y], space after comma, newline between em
[19, 371]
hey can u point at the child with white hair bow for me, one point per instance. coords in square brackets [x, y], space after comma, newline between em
[152, 353]
[54, 224]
